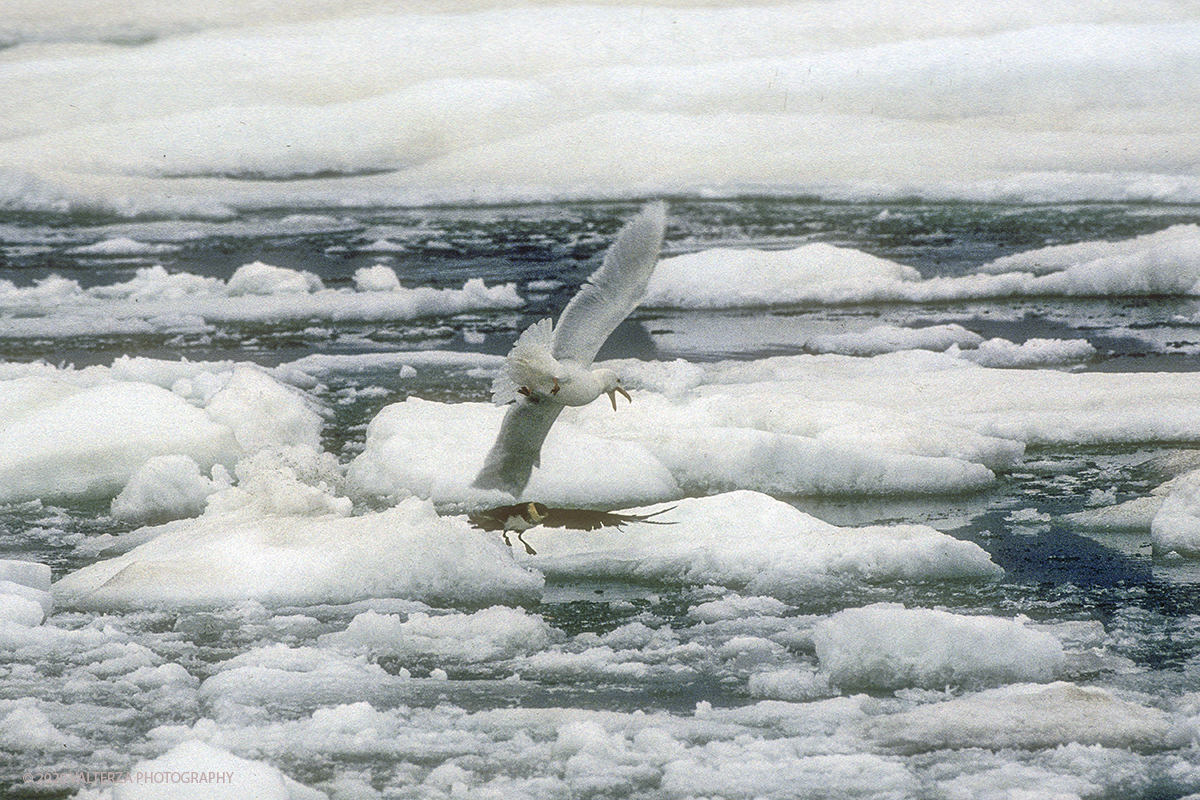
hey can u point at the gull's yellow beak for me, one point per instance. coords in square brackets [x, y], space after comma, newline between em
[613, 396]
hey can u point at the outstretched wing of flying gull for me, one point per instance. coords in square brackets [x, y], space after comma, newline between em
[549, 366]
[521, 517]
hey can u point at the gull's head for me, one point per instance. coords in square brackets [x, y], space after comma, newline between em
[537, 512]
[612, 386]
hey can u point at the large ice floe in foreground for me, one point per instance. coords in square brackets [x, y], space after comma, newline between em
[223, 558]
[741, 540]
[750, 541]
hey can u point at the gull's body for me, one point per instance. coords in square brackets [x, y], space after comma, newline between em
[549, 367]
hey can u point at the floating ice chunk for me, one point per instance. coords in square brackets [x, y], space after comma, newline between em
[154, 300]
[1133, 515]
[155, 284]
[262, 412]
[40, 596]
[1020, 779]
[322, 678]
[434, 450]
[376, 278]
[764, 768]
[24, 727]
[286, 481]
[156, 677]
[121, 247]
[166, 488]
[20, 610]
[657, 449]
[380, 246]
[795, 684]
[887, 646]
[812, 273]
[490, 634]
[745, 540]
[195, 770]
[180, 324]
[1057, 258]
[1001, 353]
[1167, 263]
[1176, 525]
[889, 339]
[263, 279]
[225, 558]
[705, 460]
[735, 607]
[1026, 716]
[1030, 407]
[798, 439]
[26, 573]
[60, 440]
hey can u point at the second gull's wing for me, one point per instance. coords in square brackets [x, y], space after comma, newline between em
[518, 446]
[614, 290]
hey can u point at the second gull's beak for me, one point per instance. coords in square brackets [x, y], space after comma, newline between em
[612, 395]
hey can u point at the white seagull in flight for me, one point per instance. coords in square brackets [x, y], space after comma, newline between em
[550, 365]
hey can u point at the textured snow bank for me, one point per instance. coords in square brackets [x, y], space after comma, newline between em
[750, 541]
[1165, 263]
[887, 646]
[226, 558]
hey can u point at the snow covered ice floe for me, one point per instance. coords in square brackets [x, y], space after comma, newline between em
[752, 542]
[889, 339]
[1175, 527]
[434, 450]
[906, 423]
[1164, 263]
[158, 300]
[64, 440]
[886, 646]
[1025, 715]
[225, 557]
[741, 539]
[87, 433]
[1169, 513]
[915, 96]
[195, 770]
[25, 598]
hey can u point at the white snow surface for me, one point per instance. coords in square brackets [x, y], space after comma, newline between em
[752, 542]
[886, 646]
[156, 300]
[88, 433]
[1175, 527]
[194, 769]
[1164, 263]
[221, 108]
[224, 558]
